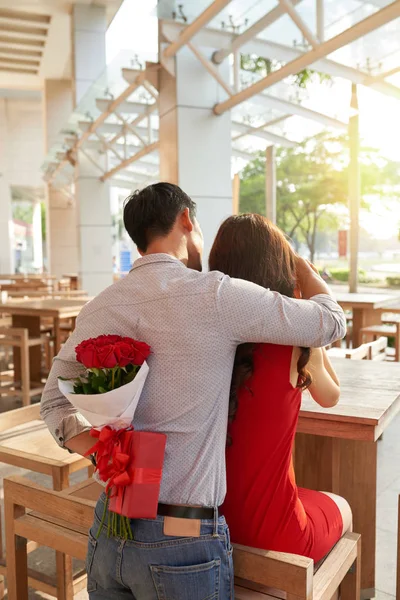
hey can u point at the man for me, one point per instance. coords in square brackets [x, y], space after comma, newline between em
[193, 322]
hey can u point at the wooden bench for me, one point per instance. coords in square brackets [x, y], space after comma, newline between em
[259, 574]
[26, 443]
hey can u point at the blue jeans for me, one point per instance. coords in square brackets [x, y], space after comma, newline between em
[153, 566]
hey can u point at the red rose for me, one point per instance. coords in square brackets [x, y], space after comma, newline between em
[108, 351]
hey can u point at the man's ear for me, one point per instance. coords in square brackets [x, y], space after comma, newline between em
[140, 251]
[186, 221]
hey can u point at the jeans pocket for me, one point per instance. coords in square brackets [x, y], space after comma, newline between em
[197, 582]
[92, 543]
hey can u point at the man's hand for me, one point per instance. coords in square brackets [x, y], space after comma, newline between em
[309, 281]
[81, 443]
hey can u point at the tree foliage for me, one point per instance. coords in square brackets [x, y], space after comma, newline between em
[264, 66]
[312, 185]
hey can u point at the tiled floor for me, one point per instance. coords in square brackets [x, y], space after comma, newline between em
[388, 492]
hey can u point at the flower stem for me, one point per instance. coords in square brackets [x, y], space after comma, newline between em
[103, 518]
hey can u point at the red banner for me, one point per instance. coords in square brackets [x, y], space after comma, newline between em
[342, 243]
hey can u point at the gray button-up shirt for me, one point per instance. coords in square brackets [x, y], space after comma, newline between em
[193, 323]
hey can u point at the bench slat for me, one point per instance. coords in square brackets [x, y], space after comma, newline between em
[54, 536]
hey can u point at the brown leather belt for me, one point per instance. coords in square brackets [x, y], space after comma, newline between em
[186, 512]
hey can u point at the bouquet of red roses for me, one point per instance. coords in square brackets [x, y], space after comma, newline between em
[107, 394]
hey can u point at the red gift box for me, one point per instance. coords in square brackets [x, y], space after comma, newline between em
[139, 498]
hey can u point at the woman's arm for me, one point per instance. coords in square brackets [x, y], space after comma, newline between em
[325, 385]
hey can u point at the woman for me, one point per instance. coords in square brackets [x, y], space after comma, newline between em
[264, 507]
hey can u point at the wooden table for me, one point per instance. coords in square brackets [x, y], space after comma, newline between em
[336, 449]
[28, 314]
[367, 309]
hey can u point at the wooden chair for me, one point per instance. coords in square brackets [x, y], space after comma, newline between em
[32, 447]
[261, 574]
[377, 349]
[388, 330]
[360, 353]
[16, 337]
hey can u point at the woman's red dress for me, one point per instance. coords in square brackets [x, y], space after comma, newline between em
[264, 507]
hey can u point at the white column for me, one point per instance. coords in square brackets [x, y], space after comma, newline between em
[89, 27]
[62, 237]
[195, 144]
[354, 189]
[92, 196]
[94, 226]
[6, 230]
[37, 237]
[270, 184]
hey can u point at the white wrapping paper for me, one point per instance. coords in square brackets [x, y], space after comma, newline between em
[115, 408]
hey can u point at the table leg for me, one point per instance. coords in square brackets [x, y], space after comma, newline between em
[358, 323]
[57, 336]
[32, 324]
[65, 586]
[347, 468]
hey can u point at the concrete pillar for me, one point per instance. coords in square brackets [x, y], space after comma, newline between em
[6, 230]
[195, 144]
[270, 184]
[89, 27]
[94, 227]
[62, 236]
[37, 237]
[92, 196]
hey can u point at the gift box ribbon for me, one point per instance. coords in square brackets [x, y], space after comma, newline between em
[113, 461]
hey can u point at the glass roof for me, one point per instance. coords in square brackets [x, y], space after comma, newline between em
[374, 54]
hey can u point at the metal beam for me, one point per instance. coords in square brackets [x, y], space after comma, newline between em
[371, 23]
[261, 133]
[297, 109]
[298, 21]
[143, 152]
[113, 128]
[266, 49]
[262, 127]
[251, 32]
[210, 68]
[140, 77]
[194, 27]
[241, 154]
[131, 108]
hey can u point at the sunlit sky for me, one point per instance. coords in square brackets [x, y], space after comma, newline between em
[135, 28]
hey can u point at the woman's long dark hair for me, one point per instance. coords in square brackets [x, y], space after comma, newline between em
[252, 248]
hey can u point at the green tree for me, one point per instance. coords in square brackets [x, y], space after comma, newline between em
[312, 182]
[264, 66]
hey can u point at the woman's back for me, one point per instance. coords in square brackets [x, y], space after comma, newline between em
[264, 508]
[259, 460]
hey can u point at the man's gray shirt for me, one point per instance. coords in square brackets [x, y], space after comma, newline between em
[193, 323]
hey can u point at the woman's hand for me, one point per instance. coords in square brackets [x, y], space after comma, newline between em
[309, 282]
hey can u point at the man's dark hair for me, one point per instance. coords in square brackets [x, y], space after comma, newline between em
[151, 212]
